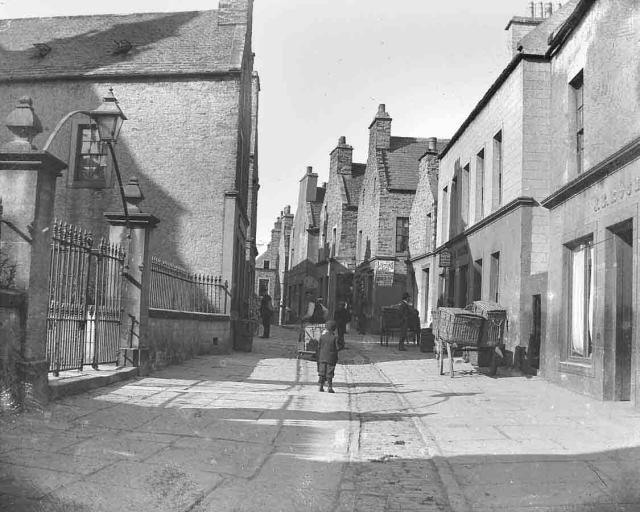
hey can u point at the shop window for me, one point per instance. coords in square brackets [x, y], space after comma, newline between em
[581, 288]
[402, 234]
[88, 161]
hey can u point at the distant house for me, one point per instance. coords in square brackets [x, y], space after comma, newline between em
[301, 277]
[338, 222]
[424, 271]
[382, 238]
[185, 81]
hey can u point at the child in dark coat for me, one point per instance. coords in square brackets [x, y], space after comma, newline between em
[327, 356]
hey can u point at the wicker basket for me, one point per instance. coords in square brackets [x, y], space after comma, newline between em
[459, 326]
[496, 319]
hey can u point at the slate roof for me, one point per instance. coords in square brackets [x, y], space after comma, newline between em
[402, 161]
[162, 44]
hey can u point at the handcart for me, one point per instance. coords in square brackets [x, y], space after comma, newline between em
[455, 328]
[492, 336]
[391, 323]
[308, 339]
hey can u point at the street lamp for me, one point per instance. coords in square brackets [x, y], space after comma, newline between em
[108, 117]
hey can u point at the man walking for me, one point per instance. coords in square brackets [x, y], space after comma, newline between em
[342, 316]
[266, 311]
[405, 314]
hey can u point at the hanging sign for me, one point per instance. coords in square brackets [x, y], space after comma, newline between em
[444, 258]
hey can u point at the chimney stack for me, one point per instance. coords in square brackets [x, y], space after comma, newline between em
[432, 145]
[380, 129]
[308, 185]
[341, 158]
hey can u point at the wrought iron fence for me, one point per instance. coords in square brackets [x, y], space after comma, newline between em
[85, 289]
[174, 288]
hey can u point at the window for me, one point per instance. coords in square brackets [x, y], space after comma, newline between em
[263, 287]
[429, 234]
[581, 293]
[359, 247]
[402, 234]
[479, 185]
[89, 160]
[334, 234]
[426, 286]
[494, 278]
[445, 213]
[578, 104]
[464, 197]
[265, 264]
[497, 170]
[477, 280]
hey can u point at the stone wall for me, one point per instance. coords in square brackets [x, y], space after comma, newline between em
[176, 336]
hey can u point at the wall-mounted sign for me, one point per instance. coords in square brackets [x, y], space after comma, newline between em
[384, 273]
[444, 258]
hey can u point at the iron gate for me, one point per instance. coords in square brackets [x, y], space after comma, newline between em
[84, 312]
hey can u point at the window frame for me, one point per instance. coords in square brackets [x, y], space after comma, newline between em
[577, 91]
[402, 235]
[75, 148]
[586, 244]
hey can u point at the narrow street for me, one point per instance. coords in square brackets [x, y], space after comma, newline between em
[250, 431]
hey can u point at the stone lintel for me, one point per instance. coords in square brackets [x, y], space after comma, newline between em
[33, 161]
[136, 219]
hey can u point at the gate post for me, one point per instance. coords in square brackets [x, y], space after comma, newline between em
[28, 186]
[133, 232]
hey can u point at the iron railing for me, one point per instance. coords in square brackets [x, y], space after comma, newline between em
[84, 309]
[174, 288]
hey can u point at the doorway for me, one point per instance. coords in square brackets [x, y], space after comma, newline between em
[622, 240]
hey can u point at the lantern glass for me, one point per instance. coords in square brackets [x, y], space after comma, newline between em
[109, 118]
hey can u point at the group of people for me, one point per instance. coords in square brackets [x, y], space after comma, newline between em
[332, 337]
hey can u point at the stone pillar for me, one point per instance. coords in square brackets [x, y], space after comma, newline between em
[132, 232]
[28, 187]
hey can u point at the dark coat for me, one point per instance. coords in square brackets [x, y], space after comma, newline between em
[328, 348]
[341, 316]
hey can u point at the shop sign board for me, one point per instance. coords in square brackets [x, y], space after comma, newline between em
[444, 258]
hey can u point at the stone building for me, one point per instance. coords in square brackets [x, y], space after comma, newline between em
[301, 276]
[591, 340]
[184, 80]
[286, 219]
[338, 221]
[254, 186]
[492, 176]
[267, 265]
[382, 239]
[422, 235]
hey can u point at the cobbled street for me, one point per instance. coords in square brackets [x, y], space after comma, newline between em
[251, 432]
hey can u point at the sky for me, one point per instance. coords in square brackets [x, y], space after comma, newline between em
[326, 65]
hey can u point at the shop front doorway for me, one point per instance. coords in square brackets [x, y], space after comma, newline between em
[622, 309]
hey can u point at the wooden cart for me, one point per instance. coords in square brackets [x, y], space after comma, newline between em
[391, 324]
[308, 339]
[455, 328]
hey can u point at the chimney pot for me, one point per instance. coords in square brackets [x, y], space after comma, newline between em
[540, 13]
[342, 140]
[309, 169]
[532, 9]
[381, 108]
[432, 144]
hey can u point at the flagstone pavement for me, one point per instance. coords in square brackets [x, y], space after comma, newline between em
[251, 432]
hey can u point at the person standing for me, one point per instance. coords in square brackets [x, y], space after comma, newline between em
[266, 312]
[405, 318]
[341, 316]
[327, 356]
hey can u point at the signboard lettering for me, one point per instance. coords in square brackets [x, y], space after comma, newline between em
[444, 258]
